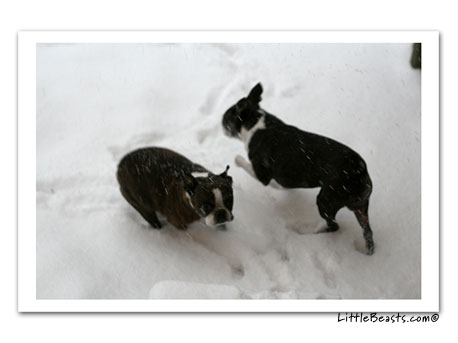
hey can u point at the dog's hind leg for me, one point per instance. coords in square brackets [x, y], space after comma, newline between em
[149, 216]
[361, 214]
[328, 208]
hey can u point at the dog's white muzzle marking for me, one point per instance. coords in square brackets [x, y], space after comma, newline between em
[210, 220]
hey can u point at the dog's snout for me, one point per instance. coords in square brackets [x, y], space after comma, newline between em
[227, 129]
[220, 216]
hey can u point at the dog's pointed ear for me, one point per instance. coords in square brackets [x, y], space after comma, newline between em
[255, 94]
[241, 105]
[189, 183]
[224, 174]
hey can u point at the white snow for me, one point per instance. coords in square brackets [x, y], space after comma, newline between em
[97, 102]
[193, 290]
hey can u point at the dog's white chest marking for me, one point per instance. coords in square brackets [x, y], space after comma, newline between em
[246, 135]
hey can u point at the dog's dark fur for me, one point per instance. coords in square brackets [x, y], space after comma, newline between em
[160, 180]
[283, 154]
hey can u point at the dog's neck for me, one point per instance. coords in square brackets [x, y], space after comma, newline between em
[270, 120]
[247, 134]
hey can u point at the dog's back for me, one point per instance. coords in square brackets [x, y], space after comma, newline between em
[299, 159]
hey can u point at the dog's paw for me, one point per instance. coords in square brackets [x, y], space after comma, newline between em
[370, 249]
[326, 229]
[222, 227]
[363, 249]
[240, 161]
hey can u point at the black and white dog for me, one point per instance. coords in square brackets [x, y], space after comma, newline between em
[282, 155]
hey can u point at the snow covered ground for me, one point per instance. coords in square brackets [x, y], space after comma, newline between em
[97, 102]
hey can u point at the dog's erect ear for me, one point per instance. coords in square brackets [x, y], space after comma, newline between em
[255, 94]
[224, 174]
[241, 105]
[189, 183]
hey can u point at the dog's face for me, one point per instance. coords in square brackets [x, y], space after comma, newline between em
[210, 196]
[244, 114]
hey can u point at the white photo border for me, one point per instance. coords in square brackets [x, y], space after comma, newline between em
[27, 301]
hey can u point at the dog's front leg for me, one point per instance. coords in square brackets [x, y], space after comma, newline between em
[276, 185]
[241, 162]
